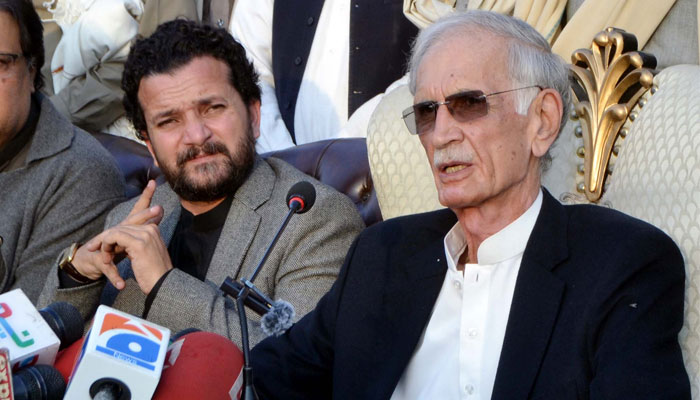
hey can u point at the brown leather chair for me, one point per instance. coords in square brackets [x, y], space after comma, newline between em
[134, 162]
[339, 163]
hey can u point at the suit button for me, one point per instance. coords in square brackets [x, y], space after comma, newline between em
[1, 240]
[297, 61]
[310, 21]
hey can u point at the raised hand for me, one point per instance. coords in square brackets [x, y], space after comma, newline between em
[137, 237]
[141, 214]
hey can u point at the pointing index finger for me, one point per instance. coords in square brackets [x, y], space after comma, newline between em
[144, 201]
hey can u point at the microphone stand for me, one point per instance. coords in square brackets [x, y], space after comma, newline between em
[248, 388]
[293, 208]
[241, 295]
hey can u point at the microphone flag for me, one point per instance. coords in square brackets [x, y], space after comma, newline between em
[120, 350]
[24, 332]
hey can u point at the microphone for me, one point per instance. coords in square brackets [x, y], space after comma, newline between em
[28, 337]
[32, 383]
[201, 365]
[65, 321]
[122, 358]
[300, 198]
[67, 358]
[40, 382]
[277, 316]
[175, 338]
[256, 301]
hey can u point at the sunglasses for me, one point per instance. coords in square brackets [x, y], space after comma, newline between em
[463, 106]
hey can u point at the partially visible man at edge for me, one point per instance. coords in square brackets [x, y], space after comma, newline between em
[192, 94]
[57, 183]
[508, 294]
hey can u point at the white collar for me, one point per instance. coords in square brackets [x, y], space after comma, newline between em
[502, 245]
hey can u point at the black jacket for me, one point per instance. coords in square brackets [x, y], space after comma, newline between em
[596, 312]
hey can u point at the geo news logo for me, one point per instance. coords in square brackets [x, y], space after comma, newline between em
[129, 340]
[7, 330]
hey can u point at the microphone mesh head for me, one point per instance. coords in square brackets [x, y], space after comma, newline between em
[65, 321]
[42, 382]
[278, 319]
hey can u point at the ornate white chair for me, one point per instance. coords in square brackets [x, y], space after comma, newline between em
[636, 143]
[628, 119]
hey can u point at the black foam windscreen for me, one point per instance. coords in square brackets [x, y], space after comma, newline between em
[303, 191]
[65, 321]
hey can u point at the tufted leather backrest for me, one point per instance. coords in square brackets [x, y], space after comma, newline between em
[341, 164]
[134, 162]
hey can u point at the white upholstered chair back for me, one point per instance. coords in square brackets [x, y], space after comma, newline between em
[400, 169]
[657, 178]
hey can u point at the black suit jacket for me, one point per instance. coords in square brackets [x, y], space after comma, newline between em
[596, 311]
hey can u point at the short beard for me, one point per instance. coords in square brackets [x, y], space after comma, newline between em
[221, 180]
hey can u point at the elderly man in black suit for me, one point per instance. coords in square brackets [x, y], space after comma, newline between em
[508, 294]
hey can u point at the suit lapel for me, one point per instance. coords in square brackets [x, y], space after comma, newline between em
[235, 240]
[171, 206]
[408, 302]
[45, 142]
[241, 223]
[536, 301]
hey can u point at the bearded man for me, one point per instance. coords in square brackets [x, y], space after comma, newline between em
[193, 96]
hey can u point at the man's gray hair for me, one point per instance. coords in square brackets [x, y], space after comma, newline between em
[530, 58]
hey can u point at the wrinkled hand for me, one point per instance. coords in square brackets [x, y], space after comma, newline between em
[138, 238]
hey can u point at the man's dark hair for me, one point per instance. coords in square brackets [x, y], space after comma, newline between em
[31, 34]
[176, 43]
